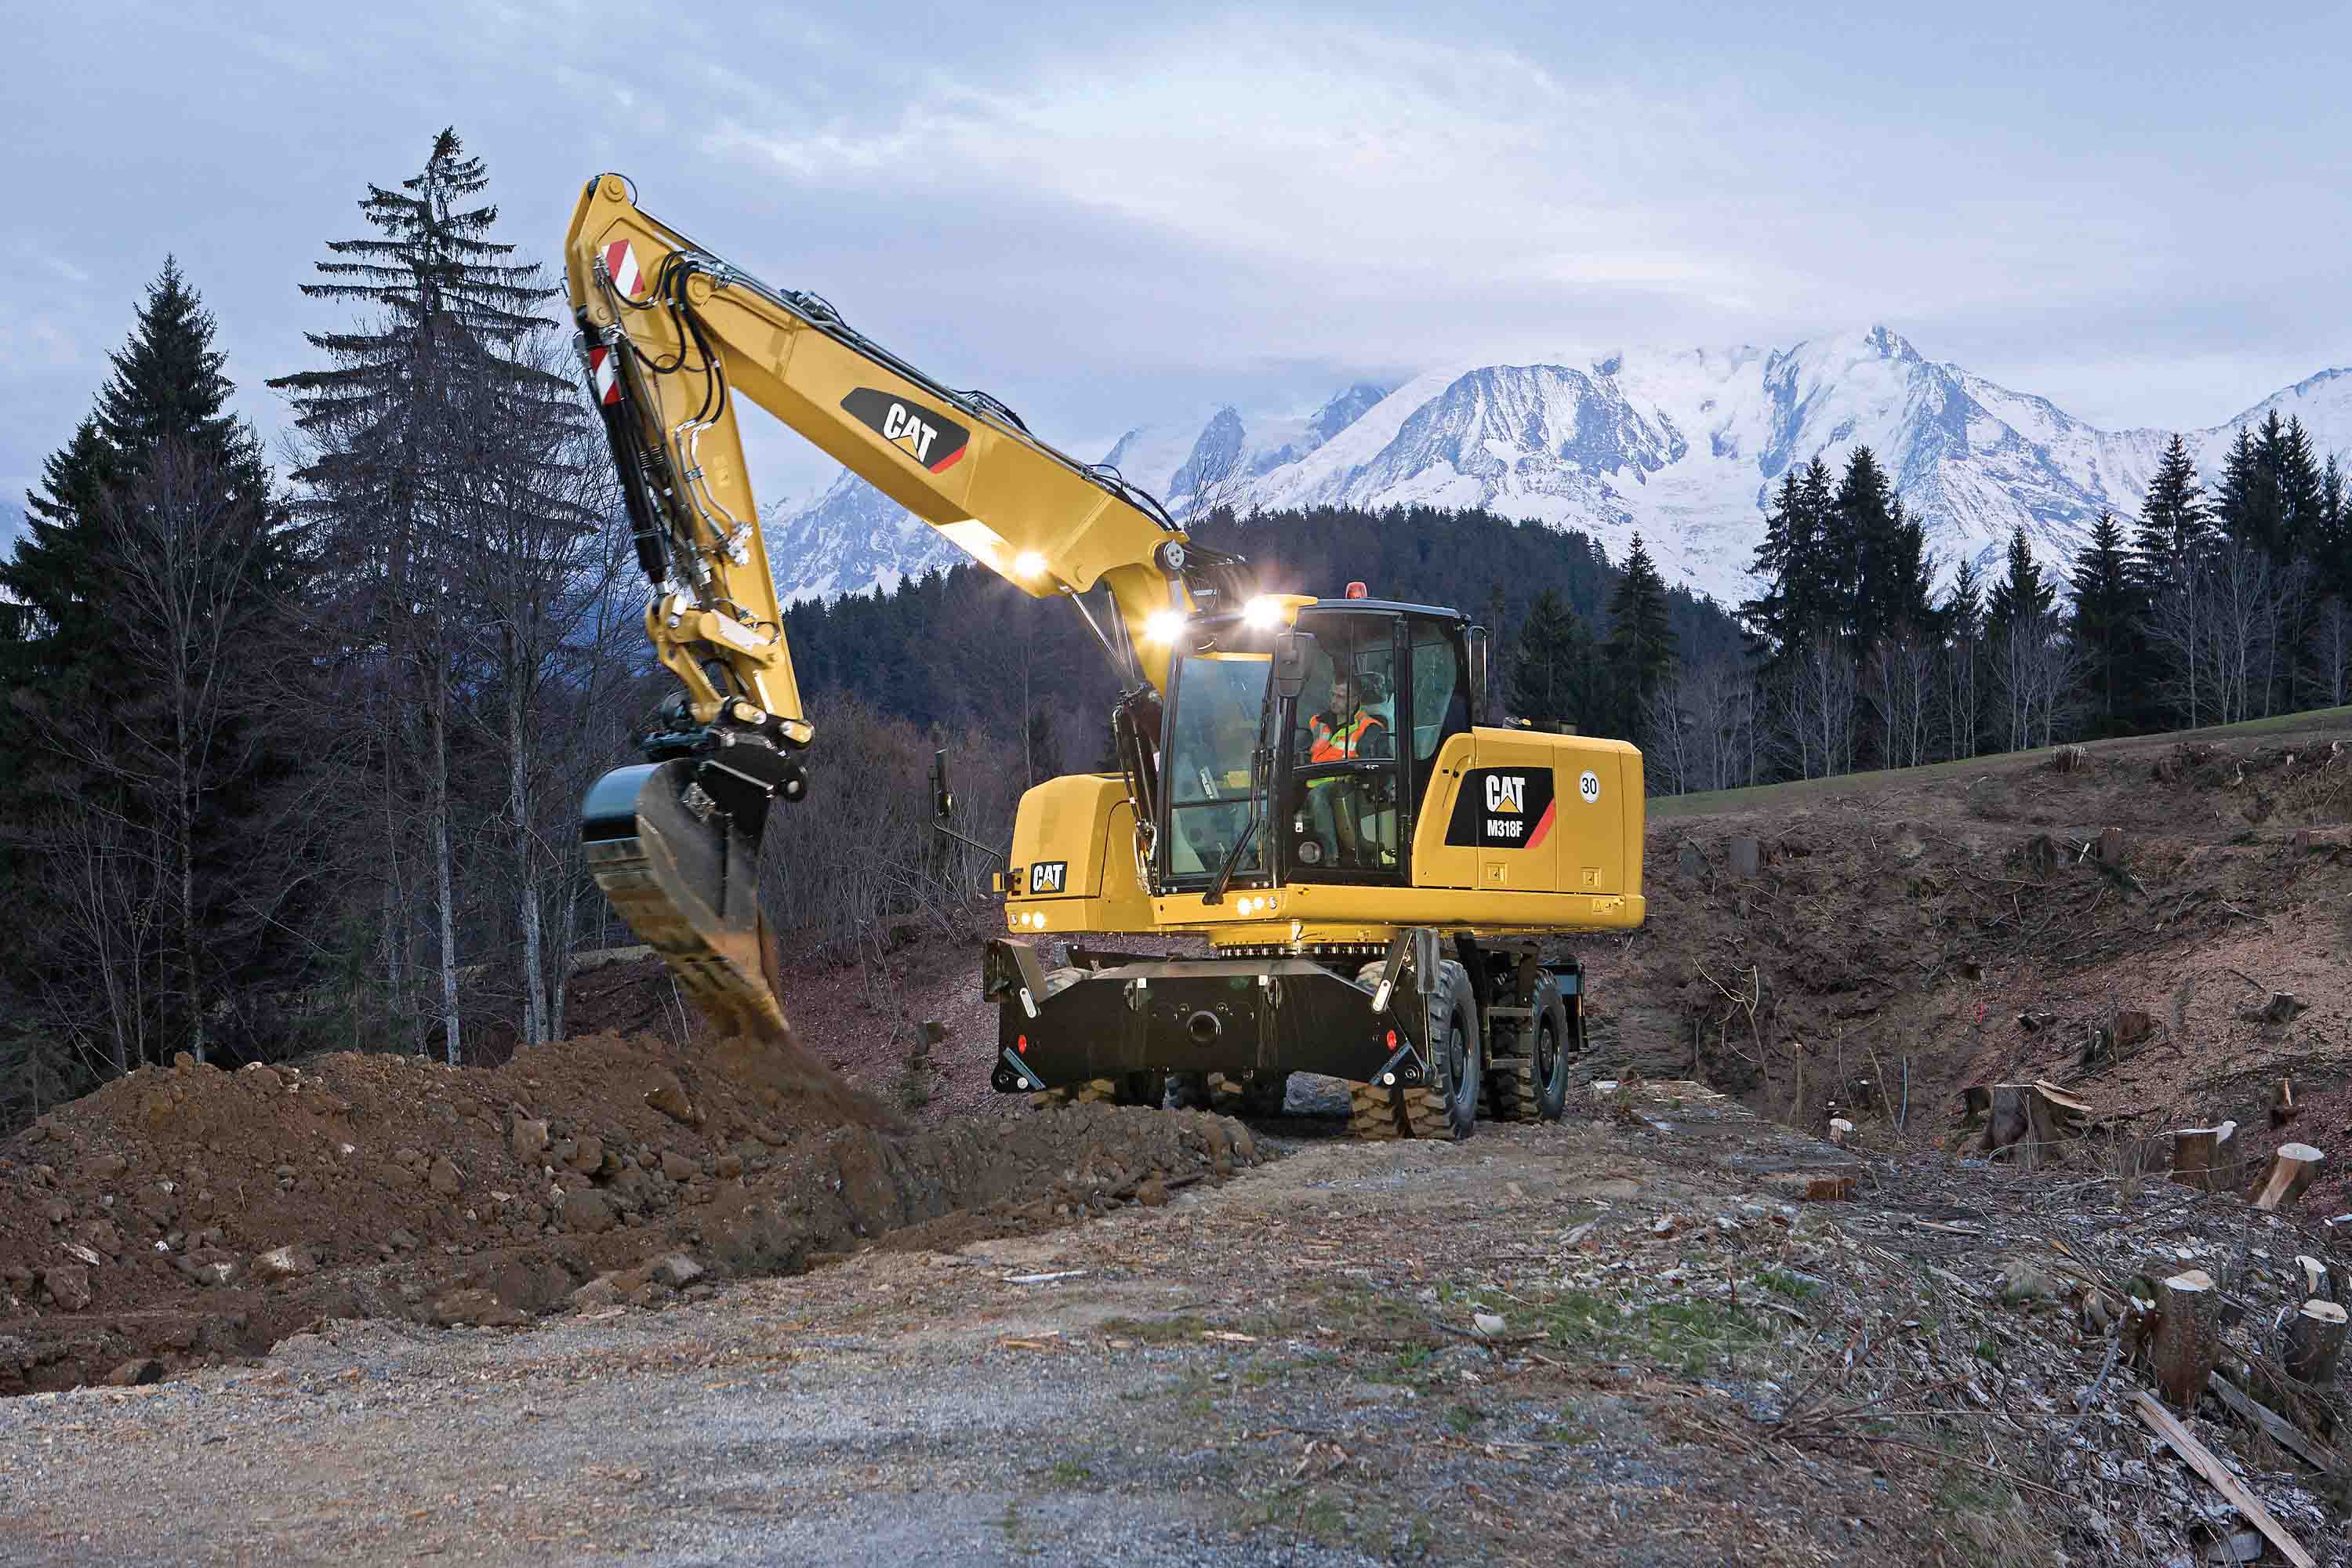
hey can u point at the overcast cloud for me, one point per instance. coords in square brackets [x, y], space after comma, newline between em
[2139, 211]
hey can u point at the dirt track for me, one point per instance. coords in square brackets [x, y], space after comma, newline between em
[1251, 1373]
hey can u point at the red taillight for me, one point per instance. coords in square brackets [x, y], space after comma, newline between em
[1358, 591]
[1392, 1039]
[1021, 1043]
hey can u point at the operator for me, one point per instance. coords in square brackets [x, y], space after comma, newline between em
[1349, 730]
[1344, 732]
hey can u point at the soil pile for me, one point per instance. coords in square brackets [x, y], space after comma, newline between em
[183, 1214]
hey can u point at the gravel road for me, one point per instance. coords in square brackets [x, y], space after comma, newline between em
[1281, 1370]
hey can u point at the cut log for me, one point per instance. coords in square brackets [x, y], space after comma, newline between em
[2196, 1150]
[2221, 1479]
[2315, 1338]
[2283, 1105]
[2316, 1286]
[2294, 1167]
[2272, 1425]
[2188, 1335]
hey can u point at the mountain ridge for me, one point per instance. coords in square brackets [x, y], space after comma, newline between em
[1684, 446]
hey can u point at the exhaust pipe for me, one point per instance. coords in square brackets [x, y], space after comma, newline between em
[1204, 1027]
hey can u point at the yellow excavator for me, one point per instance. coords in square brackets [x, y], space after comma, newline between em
[1381, 878]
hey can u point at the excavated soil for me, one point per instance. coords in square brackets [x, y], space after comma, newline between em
[182, 1216]
[2120, 924]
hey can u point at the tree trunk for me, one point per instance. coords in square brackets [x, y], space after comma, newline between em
[2188, 1335]
[2292, 1168]
[445, 894]
[2315, 1338]
[518, 810]
[2198, 1154]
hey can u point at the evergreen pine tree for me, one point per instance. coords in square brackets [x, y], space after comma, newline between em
[2295, 485]
[2109, 608]
[2024, 594]
[438, 400]
[158, 509]
[1864, 551]
[2175, 527]
[1641, 644]
[2245, 501]
[1909, 582]
[1552, 664]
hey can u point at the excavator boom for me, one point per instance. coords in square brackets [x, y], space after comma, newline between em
[670, 337]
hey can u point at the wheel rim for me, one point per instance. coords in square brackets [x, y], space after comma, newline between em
[1548, 1053]
[1457, 1061]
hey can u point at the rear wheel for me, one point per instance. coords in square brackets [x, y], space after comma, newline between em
[1527, 1075]
[1447, 1105]
[1558, 1046]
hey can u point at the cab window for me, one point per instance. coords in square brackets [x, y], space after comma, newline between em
[1206, 768]
[1439, 706]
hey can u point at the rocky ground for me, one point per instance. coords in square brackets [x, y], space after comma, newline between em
[184, 1215]
[1626, 1338]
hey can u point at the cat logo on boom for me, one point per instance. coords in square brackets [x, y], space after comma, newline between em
[1049, 876]
[930, 438]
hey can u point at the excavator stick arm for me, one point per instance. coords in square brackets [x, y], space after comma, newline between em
[671, 337]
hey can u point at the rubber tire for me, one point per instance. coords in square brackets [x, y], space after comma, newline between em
[1130, 1089]
[1566, 1050]
[1447, 1105]
[1260, 1098]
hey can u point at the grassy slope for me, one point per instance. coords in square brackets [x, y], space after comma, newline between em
[1724, 800]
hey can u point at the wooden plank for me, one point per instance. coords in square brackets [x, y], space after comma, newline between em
[2202, 1461]
[2275, 1426]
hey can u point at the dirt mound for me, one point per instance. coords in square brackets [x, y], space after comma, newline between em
[188, 1214]
[1844, 942]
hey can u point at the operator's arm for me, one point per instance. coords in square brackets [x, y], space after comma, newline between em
[673, 335]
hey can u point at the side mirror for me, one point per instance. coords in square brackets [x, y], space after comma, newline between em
[1293, 656]
[1478, 674]
[942, 798]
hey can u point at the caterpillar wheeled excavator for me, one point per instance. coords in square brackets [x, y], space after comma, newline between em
[1381, 878]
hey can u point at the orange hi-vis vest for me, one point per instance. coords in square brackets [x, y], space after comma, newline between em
[1342, 743]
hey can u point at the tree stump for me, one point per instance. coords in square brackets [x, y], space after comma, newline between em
[1841, 1129]
[2188, 1339]
[2292, 1168]
[1976, 1100]
[2316, 1286]
[2011, 1121]
[2053, 1113]
[2283, 1105]
[2315, 1338]
[2196, 1152]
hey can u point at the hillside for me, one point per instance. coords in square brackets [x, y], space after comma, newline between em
[1680, 445]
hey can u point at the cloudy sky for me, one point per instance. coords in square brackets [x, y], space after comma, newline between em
[2141, 211]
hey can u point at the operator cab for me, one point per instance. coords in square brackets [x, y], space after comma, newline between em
[1319, 788]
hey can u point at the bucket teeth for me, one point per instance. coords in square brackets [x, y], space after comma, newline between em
[687, 885]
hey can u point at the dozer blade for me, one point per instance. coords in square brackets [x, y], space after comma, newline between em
[686, 877]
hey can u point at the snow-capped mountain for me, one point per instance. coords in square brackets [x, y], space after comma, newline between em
[1683, 446]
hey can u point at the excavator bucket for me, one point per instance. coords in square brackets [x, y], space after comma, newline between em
[685, 874]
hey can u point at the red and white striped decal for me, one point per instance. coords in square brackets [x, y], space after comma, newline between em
[622, 263]
[604, 373]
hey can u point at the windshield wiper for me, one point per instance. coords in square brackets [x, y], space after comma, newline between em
[1261, 767]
